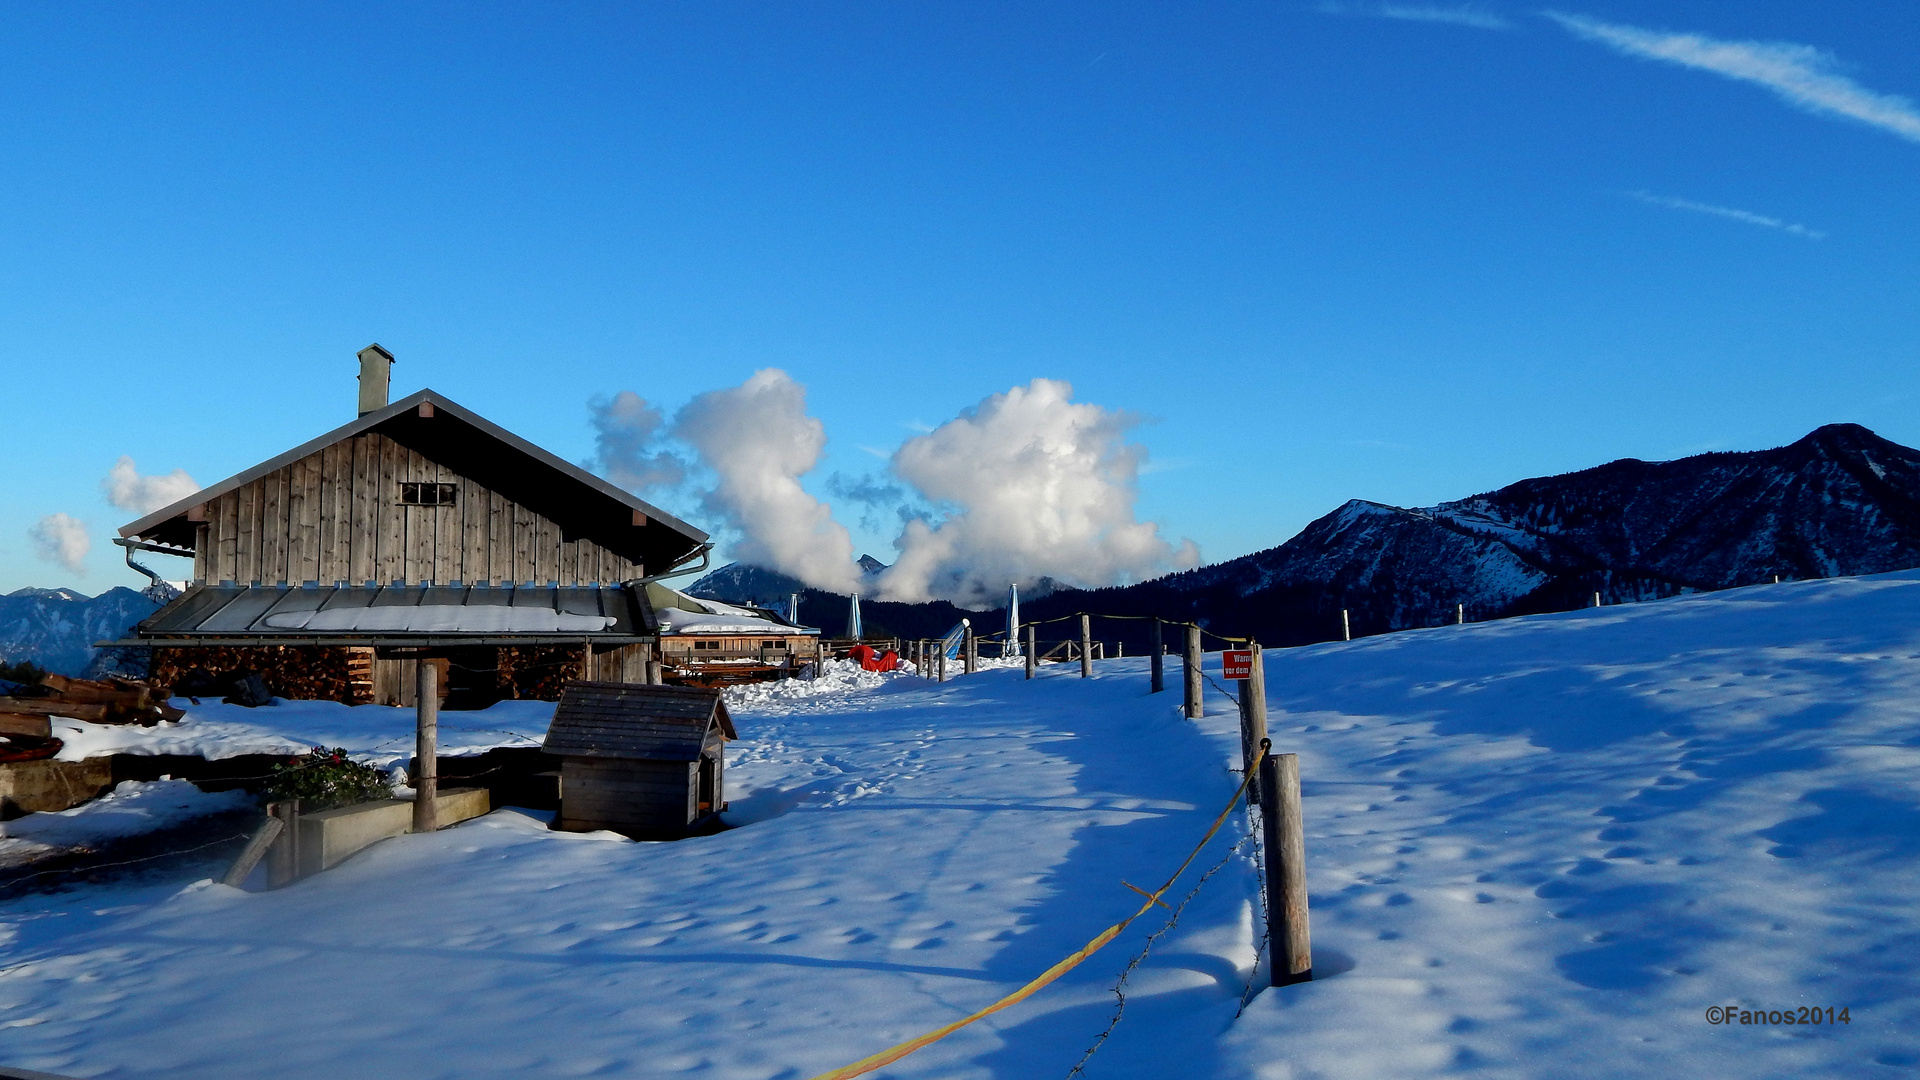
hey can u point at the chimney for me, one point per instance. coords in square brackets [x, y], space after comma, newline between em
[375, 363]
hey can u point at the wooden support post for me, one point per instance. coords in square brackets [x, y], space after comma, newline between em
[968, 645]
[1156, 662]
[1086, 646]
[1346, 626]
[426, 779]
[1253, 719]
[256, 849]
[283, 858]
[1119, 649]
[1459, 614]
[940, 659]
[1195, 703]
[1033, 651]
[1282, 833]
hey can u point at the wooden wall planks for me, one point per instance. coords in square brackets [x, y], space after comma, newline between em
[336, 515]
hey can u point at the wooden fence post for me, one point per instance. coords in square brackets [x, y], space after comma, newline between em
[1253, 720]
[283, 858]
[1346, 626]
[1156, 662]
[940, 660]
[969, 644]
[1459, 614]
[1196, 704]
[1290, 947]
[1033, 651]
[426, 779]
[1086, 646]
[1596, 599]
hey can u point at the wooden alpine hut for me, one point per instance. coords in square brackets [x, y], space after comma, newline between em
[420, 532]
[649, 761]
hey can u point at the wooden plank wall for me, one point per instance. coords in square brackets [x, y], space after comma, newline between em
[336, 516]
[597, 794]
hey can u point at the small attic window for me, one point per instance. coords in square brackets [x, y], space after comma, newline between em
[427, 494]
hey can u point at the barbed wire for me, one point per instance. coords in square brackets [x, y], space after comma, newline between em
[9, 883]
[1260, 948]
[1119, 987]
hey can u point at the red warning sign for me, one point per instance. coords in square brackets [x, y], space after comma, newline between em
[1237, 663]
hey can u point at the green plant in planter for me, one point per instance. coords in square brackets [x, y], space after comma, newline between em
[323, 779]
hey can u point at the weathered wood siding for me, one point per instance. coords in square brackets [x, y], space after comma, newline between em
[336, 515]
[627, 795]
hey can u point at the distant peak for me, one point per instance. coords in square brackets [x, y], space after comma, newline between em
[1841, 433]
[50, 594]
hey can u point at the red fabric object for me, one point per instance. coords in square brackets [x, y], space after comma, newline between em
[872, 661]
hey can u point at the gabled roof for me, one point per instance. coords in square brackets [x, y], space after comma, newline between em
[490, 454]
[628, 721]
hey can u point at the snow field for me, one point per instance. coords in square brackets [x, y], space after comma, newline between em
[1537, 848]
[909, 853]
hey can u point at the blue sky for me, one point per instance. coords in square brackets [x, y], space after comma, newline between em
[1403, 252]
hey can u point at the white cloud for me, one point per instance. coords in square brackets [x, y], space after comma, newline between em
[1801, 74]
[1728, 212]
[1457, 14]
[126, 489]
[626, 436]
[1032, 484]
[63, 539]
[758, 440]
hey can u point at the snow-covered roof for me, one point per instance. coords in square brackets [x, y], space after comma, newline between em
[678, 613]
[346, 614]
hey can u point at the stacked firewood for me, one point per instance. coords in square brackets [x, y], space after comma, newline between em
[26, 715]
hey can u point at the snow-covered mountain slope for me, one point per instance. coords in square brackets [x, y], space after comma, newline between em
[56, 628]
[1841, 501]
[1539, 847]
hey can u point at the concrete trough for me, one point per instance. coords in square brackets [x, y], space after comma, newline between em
[330, 836]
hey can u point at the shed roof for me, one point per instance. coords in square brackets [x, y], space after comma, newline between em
[624, 720]
[579, 501]
[379, 614]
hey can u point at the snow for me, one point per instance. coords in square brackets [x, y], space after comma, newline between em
[131, 809]
[376, 734]
[1539, 847]
[681, 621]
[424, 618]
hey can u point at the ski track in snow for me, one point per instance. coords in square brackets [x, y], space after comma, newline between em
[1537, 848]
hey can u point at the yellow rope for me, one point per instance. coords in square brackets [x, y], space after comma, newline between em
[889, 1056]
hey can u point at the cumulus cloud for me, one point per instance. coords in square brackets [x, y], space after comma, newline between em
[1029, 484]
[1457, 14]
[759, 441]
[1747, 217]
[126, 489]
[63, 539]
[1800, 74]
[627, 438]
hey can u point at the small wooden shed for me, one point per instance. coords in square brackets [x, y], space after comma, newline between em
[643, 760]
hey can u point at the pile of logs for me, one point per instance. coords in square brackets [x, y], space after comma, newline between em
[26, 716]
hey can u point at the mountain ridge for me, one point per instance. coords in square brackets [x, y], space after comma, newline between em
[1839, 501]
